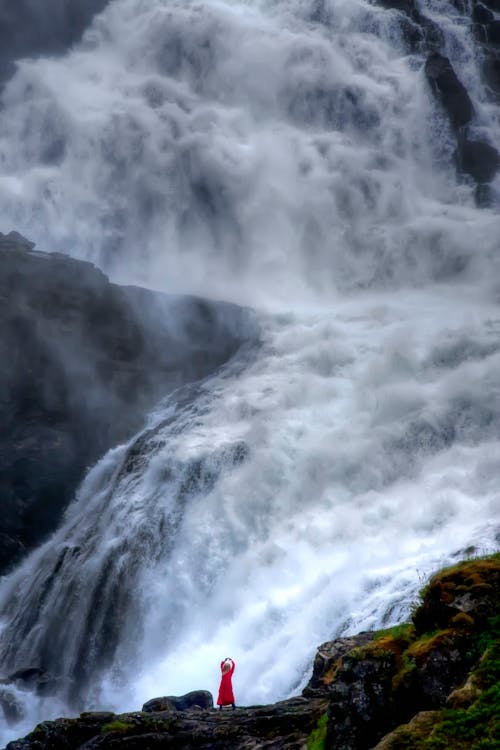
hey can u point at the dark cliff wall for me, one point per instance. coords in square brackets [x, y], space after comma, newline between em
[82, 362]
[36, 27]
[474, 157]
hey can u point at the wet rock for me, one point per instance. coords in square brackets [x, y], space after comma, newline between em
[83, 360]
[493, 32]
[196, 699]
[492, 5]
[33, 678]
[482, 14]
[30, 29]
[328, 660]
[287, 724]
[491, 71]
[478, 159]
[449, 90]
[63, 734]
[10, 707]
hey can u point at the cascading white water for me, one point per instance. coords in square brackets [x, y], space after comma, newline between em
[288, 154]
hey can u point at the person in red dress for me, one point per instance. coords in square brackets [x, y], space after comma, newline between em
[226, 695]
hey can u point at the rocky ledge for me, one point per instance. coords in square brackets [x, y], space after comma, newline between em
[83, 360]
[430, 684]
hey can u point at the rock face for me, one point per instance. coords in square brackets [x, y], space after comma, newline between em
[83, 360]
[478, 159]
[449, 90]
[386, 690]
[29, 28]
[473, 157]
[394, 676]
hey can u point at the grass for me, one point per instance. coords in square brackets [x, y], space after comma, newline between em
[317, 738]
[117, 726]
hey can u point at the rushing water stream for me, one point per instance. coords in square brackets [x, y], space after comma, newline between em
[289, 155]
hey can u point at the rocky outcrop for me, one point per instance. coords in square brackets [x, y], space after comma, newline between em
[473, 157]
[412, 672]
[286, 724]
[432, 679]
[83, 360]
[449, 90]
[29, 28]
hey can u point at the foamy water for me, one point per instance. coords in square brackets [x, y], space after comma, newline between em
[287, 155]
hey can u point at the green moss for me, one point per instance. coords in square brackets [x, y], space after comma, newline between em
[490, 635]
[40, 729]
[406, 667]
[117, 726]
[411, 736]
[143, 723]
[474, 728]
[429, 642]
[404, 633]
[317, 738]
[473, 723]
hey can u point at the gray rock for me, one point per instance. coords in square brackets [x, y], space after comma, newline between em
[10, 706]
[196, 699]
[83, 361]
[449, 90]
[29, 28]
[478, 159]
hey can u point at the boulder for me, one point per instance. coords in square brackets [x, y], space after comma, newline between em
[328, 659]
[196, 699]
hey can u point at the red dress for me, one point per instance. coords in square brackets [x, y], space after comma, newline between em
[226, 696]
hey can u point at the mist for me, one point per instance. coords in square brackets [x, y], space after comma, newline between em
[288, 156]
[243, 150]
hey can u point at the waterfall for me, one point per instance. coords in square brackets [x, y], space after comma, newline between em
[287, 155]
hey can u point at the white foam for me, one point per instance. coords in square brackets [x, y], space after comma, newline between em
[248, 151]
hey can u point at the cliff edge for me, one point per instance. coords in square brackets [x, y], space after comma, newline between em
[83, 361]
